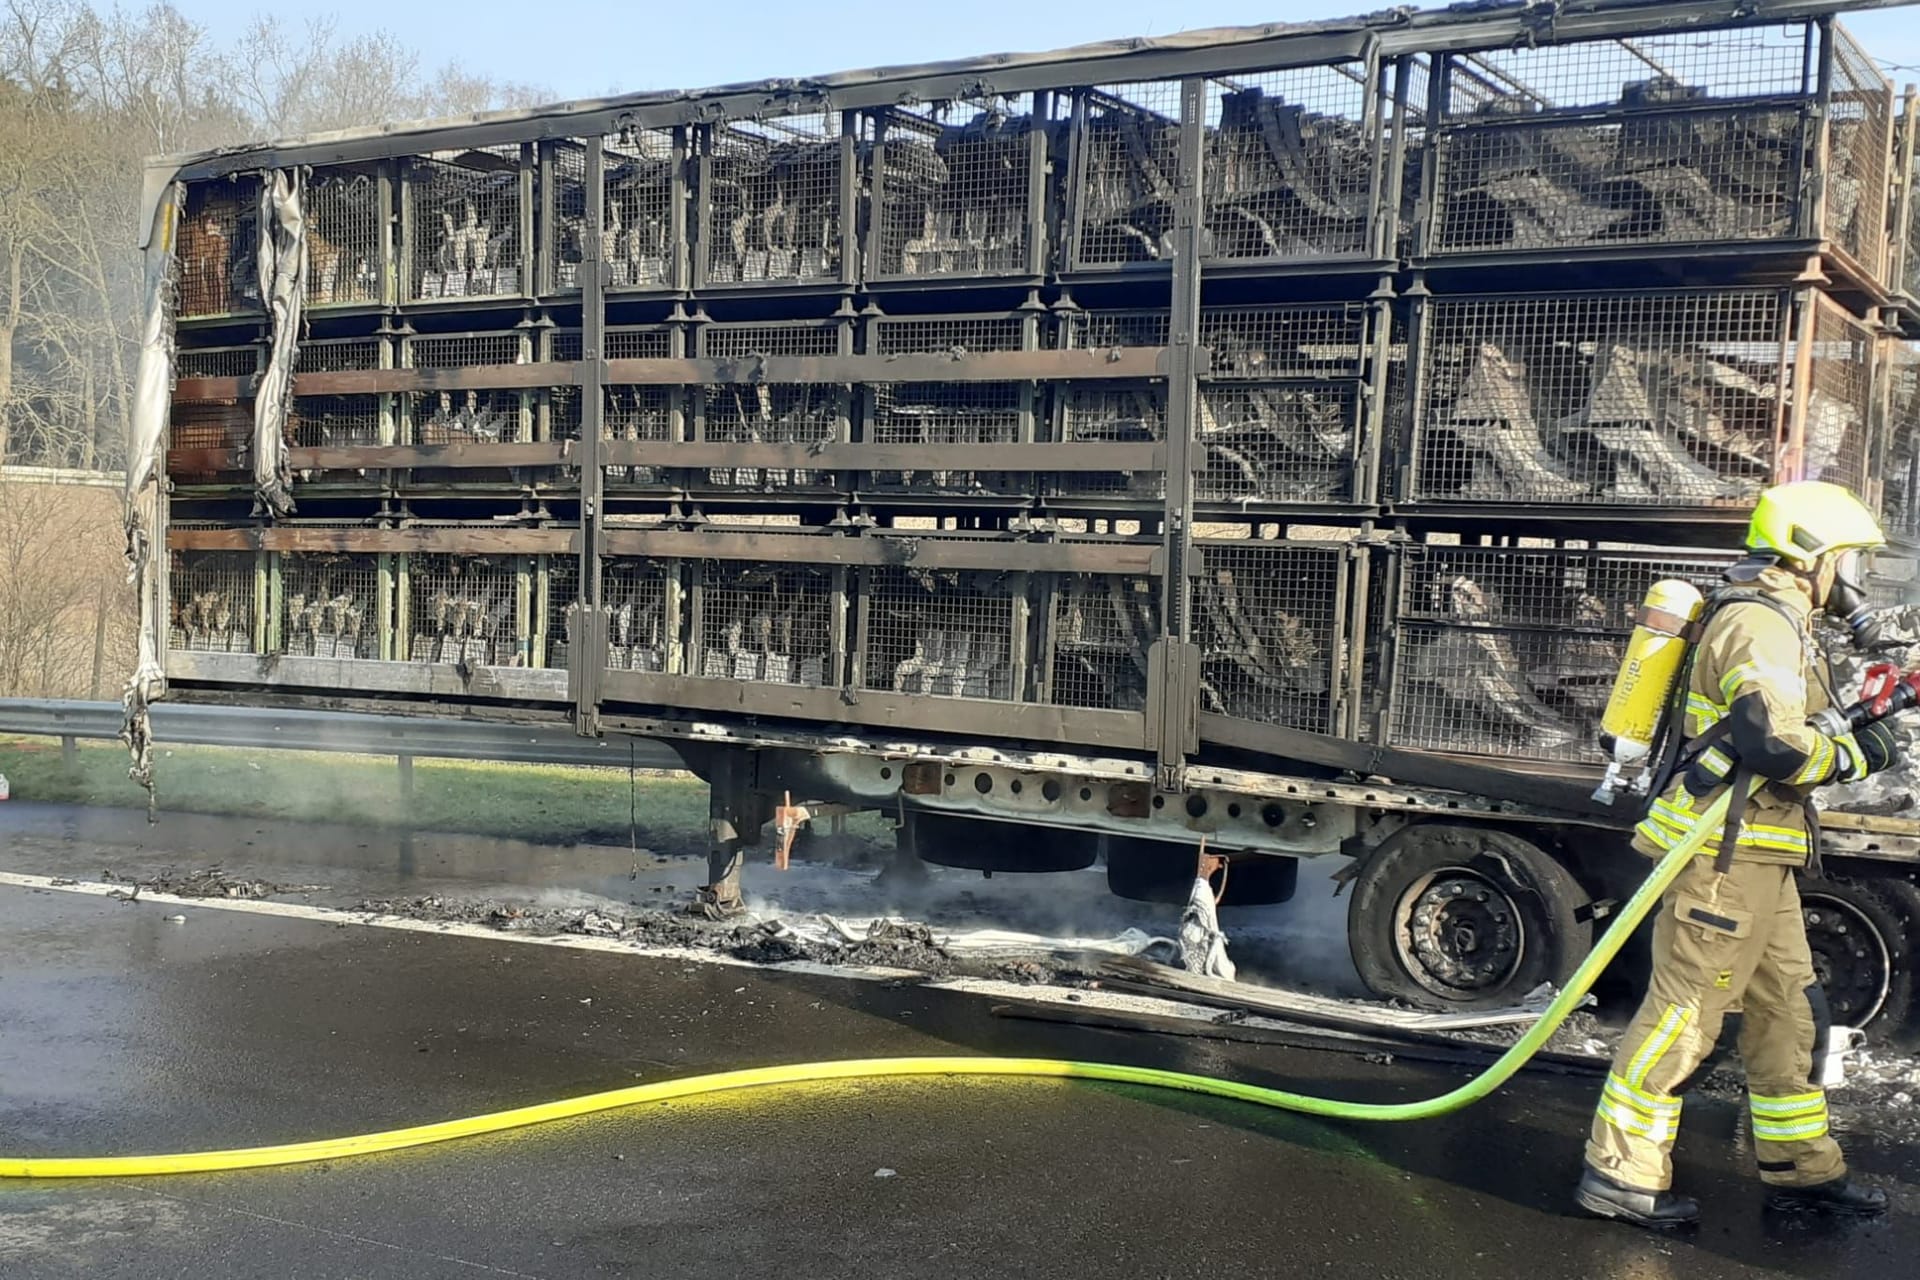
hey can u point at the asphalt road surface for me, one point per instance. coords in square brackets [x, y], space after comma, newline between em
[122, 1031]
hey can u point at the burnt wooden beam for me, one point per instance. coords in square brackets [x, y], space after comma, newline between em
[479, 377]
[549, 453]
[1058, 456]
[982, 366]
[454, 539]
[881, 548]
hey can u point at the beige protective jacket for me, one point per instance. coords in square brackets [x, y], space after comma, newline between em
[1750, 651]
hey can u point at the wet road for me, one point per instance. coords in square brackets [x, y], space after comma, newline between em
[121, 1031]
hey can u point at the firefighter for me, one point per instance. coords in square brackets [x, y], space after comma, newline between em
[1730, 956]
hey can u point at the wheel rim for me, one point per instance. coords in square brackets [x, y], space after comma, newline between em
[1459, 933]
[1850, 959]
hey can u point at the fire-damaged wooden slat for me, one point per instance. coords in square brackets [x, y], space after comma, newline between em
[1119, 730]
[974, 366]
[1008, 554]
[478, 377]
[455, 539]
[829, 456]
[434, 679]
[548, 453]
[214, 390]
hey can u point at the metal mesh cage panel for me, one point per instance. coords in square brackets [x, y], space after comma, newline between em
[1623, 142]
[1290, 163]
[642, 633]
[1665, 179]
[1645, 73]
[454, 417]
[951, 191]
[219, 271]
[634, 342]
[333, 421]
[203, 425]
[344, 249]
[329, 605]
[888, 336]
[1101, 628]
[562, 592]
[638, 241]
[212, 596]
[1860, 124]
[1099, 330]
[1514, 650]
[1910, 260]
[462, 609]
[1310, 341]
[772, 413]
[463, 224]
[766, 623]
[944, 633]
[1112, 413]
[1901, 471]
[737, 341]
[1835, 442]
[466, 417]
[1277, 442]
[1126, 162]
[1267, 620]
[639, 413]
[772, 200]
[1651, 399]
[563, 174]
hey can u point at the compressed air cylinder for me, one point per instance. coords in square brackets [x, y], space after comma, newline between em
[1654, 654]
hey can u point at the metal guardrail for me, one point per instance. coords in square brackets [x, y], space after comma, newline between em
[265, 728]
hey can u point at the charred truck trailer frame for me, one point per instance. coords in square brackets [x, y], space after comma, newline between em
[1118, 446]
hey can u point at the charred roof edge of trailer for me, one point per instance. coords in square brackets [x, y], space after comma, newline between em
[1473, 24]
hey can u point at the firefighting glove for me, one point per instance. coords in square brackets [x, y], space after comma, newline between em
[1866, 751]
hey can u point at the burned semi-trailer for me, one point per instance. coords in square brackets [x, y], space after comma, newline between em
[1265, 435]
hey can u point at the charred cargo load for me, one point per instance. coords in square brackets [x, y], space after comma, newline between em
[1262, 435]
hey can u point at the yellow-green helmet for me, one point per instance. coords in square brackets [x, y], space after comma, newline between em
[1800, 522]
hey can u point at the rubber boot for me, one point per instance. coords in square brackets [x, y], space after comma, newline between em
[1839, 1197]
[1655, 1210]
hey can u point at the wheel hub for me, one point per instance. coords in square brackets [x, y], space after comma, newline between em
[1463, 932]
[1850, 959]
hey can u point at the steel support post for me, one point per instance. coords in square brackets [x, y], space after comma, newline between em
[587, 653]
[1173, 667]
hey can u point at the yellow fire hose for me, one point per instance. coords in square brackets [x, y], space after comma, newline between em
[1629, 918]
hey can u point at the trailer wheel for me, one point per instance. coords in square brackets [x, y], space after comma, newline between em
[1860, 949]
[1453, 917]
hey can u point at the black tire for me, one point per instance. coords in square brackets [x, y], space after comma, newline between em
[1160, 871]
[1899, 1024]
[1456, 917]
[1862, 949]
[981, 844]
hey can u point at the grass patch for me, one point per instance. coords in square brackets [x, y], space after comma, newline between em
[546, 803]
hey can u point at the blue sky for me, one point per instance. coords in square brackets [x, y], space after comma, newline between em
[591, 47]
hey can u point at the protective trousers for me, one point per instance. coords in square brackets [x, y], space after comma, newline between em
[1729, 952]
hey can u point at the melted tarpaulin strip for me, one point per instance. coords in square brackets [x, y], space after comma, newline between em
[283, 283]
[146, 483]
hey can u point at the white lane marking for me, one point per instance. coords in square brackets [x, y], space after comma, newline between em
[988, 987]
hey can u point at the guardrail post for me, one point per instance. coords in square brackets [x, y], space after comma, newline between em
[406, 777]
[69, 752]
